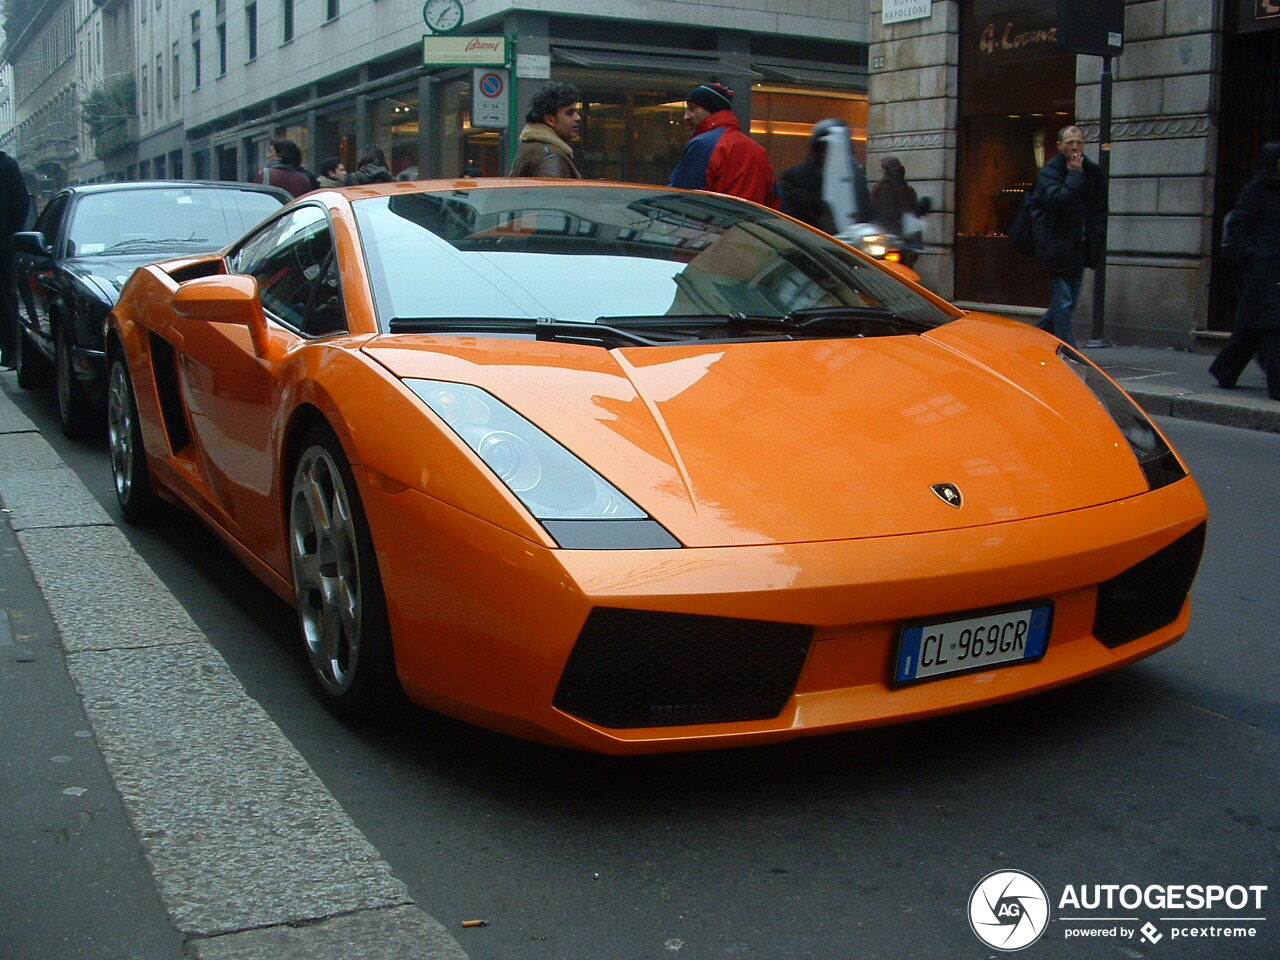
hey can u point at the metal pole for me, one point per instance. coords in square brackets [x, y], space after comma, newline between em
[1104, 167]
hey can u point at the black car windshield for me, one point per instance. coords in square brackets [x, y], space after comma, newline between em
[156, 220]
[617, 255]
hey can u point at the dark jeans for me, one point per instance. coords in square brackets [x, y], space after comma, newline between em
[8, 308]
[1064, 294]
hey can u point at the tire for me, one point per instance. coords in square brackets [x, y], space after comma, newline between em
[129, 473]
[342, 610]
[35, 372]
[76, 414]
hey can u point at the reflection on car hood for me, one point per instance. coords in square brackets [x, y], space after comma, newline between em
[109, 274]
[738, 443]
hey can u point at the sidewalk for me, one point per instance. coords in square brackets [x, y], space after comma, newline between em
[1177, 383]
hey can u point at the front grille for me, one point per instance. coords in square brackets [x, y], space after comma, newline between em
[1150, 594]
[641, 668]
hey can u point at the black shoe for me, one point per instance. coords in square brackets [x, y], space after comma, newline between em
[1224, 385]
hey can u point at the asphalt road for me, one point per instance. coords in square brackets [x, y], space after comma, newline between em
[865, 845]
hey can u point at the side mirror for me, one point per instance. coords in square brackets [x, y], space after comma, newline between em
[32, 242]
[225, 298]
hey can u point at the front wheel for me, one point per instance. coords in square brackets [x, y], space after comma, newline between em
[342, 610]
[128, 458]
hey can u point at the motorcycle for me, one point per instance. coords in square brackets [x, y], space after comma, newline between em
[853, 225]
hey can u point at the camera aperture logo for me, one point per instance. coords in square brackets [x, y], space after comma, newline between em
[1008, 910]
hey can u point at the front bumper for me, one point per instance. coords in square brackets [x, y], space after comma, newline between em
[485, 622]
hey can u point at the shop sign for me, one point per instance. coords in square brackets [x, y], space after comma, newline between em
[464, 51]
[490, 98]
[900, 11]
[1254, 15]
[1011, 32]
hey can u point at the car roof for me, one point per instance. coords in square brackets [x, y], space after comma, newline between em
[89, 188]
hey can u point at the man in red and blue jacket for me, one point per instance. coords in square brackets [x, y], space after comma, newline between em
[720, 156]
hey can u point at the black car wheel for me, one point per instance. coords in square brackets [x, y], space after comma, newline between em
[342, 611]
[75, 412]
[35, 372]
[128, 458]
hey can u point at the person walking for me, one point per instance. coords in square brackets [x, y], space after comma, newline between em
[552, 120]
[332, 172]
[892, 197]
[15, 201]
[800, 186]
[371, 167]
[1253, 234]
[720, 156]
[284, 168]
[1069, 228]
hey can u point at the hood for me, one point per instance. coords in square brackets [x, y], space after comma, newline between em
[108, 275]
[742, 443]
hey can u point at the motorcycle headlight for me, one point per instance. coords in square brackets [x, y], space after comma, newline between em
[1159, 464]
[874, 245]
[577, 506]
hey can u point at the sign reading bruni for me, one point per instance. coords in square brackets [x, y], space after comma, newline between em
[487, 51]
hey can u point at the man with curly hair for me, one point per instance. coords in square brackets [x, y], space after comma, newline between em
[552, 121]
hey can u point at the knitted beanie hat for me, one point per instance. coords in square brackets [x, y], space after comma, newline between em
[712, 96]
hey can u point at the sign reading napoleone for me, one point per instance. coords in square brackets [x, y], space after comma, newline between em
[899, 11]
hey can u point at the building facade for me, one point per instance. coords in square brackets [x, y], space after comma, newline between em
[971, 97]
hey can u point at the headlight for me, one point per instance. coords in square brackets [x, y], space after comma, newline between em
[874, 245]
[1158, 462]
[577, 506]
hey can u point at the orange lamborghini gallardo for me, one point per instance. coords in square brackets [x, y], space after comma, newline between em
[631, 469]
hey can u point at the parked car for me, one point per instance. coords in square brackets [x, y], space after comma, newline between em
[86, 242]
[631, 469]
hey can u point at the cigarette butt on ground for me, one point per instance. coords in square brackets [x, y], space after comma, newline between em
[475, 923]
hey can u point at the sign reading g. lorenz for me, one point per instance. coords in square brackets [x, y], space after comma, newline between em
[1251, 15]
[1025, 31]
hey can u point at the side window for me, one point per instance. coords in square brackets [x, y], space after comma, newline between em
[242, 259]
[328, 315]
[50, 219]
[290, 266]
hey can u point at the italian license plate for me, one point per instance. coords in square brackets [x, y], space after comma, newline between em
[939, 648]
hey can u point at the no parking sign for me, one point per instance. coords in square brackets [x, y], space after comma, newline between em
[490, 97]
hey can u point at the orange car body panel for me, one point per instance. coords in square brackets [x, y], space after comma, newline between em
[831, 524]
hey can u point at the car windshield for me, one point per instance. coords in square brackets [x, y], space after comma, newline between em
[181, 219]
[617, 256]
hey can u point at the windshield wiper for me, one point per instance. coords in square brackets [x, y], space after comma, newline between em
[540, 328]
[811, 316]
[807, 319]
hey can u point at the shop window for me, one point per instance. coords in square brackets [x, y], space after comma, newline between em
[336, 137]
[460, 142]
[782, 120]
[395, 129]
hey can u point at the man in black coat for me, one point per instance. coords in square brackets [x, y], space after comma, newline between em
[1253, 235]
[1069, 227]
[800, 187]
[14, 203]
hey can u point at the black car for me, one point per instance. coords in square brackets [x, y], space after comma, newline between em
[85, 244]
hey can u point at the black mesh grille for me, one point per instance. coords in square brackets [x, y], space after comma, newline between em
[1150, 594]
[640, 668]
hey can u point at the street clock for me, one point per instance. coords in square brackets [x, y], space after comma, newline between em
[442, 16]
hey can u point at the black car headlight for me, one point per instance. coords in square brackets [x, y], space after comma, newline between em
[1159, 464]
[578, 507]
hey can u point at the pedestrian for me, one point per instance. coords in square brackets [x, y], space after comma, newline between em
[1253, 234]
[371, 167]
[284, 168]
[471, 168]
[332, 172]
[1069, 227]
[553, 119]
[15, 201]
[893, 199]
[720, 156]
[800, 187]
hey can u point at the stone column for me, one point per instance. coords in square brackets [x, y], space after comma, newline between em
[912, 88]
[1163, 157]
